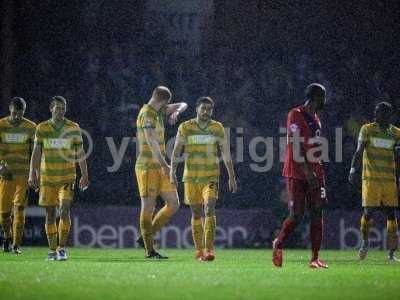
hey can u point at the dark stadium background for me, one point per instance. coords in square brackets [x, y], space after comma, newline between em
[253, 57]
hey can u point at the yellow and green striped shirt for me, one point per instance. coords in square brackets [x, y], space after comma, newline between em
[201, 151]
[378, 157]
[59, 146]
[16, 145]
[149, 118]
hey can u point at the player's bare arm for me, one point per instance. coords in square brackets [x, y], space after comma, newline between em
[33, 180]
[84, 181]
[227, 158]
[173, 110]
[179, 143]
[356, 161]
[152, 140]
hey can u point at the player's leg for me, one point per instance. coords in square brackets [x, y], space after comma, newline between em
[391, 228]
[18, 227]
[197, 230]
[6, 195]
[51, 231]
[316, 235]
[210, 223]
[366, 223]
[19, 204]
[6, 221]
[296, 206]
[316, 199]
[64, 227]
[165, 214]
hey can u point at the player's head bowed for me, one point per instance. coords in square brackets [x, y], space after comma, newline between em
[383, 112]
[315, 94]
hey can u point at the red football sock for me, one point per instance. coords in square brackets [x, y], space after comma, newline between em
[316, 230]
[287, 228]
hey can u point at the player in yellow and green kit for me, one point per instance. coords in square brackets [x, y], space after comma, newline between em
[58, 146]
[16, 139]
[376, 146]
[152, 169]
[200, 139]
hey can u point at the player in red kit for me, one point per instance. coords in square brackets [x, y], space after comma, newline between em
[304, 173]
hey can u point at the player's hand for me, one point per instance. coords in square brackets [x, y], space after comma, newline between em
[33, 181]
[173, 118]
[5, 172]
[352, 178]
[232, 184]
[173, 179]
[84, 183]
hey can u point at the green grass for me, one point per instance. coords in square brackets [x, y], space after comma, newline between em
[235, 274]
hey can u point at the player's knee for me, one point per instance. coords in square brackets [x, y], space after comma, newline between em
[173, 206]
[296, 218]
[19, 208]
[64, 212]
[209, 210]
[4, 217]
[50, 215]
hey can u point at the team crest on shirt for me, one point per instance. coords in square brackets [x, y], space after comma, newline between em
[148, 123]
[15, 138]
[293, 127]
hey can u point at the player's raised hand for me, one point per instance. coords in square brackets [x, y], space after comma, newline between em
[232, 184]
[173, 118]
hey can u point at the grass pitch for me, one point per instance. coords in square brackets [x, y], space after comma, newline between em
[235, 274]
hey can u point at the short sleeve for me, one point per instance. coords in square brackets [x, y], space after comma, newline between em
[148, 120]
[221, 131]
[38, 139]
[182, 131]
[77, 137]
[294, 123]
[363, 135]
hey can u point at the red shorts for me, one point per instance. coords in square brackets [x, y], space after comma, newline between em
[300, 195]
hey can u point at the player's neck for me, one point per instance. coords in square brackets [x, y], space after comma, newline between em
[57, 121]
[202, 124]
[156, 105]
[308, 108]
[14, 122]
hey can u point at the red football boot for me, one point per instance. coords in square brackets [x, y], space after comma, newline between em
[277, 255]
[209, 255]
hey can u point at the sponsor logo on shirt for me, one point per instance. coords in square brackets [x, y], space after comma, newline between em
[15, 138]
[202, 139]
[382, 143]
[57, 143]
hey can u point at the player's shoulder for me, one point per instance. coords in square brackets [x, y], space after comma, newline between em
[147, 110]
[295, 112]
[188, 123]
[4, 121]
[45, 125]
[395, 130]
[369, 126]
[216, 124]
[28, 123]
[71, 124]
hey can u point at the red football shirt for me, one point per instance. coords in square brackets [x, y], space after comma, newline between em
[308, 128]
